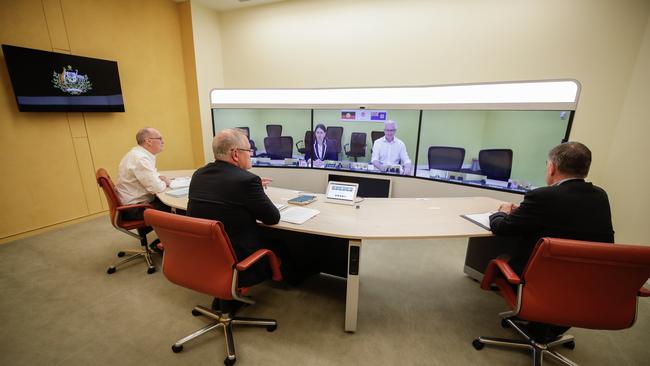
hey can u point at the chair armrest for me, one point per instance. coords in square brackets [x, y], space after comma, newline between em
[498, 267]
[259, 254]
[129, 207]
[644, 292]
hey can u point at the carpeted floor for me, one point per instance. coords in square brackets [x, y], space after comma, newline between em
[59, 307]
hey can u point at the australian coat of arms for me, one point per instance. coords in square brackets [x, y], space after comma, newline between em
[70, 81]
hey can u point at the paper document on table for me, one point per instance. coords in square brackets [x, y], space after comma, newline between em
[480, 219]
[280, 206]
[179, 192]
[297, 215]
[180, 182]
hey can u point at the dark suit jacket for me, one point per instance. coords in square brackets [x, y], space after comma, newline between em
[330, 151]
[574, 209]
[224, 192]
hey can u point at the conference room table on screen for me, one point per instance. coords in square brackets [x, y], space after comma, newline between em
[374, 219]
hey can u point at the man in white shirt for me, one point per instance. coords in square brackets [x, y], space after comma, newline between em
[138, 180]
[390, 151]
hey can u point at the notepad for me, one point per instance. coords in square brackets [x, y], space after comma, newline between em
[280, 206]
[480, 219]
[180, 182]
[179, 192]
[297, 215]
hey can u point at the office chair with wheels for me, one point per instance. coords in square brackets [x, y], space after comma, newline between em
[495, 163]
[569, 283]
[335, 133]
[116, 209]
[273, 130]
[302, 146]
[199, 256]
[446, 158]
[247, 132]
[357, 145]
[278, 147]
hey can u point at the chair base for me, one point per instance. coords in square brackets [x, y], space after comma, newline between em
[144, 253]
[225, 321]
[539, 349]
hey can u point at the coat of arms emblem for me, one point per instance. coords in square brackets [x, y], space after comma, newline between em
[70, 81]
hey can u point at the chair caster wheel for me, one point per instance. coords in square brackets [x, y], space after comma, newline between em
[505, 324]
[569, 345]
[196, 312]
[176, 348]
[271, 328]
[151, 270]
[229, 362]
[111, 270]
[121, 254]
[478, 345]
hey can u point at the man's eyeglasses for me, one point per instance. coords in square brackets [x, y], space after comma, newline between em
[389, 130]
[240, 149]
[156, 138]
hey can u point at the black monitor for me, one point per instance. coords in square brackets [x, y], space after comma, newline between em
[368, 187]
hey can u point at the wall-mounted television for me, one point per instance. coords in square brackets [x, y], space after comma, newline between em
[46, 81]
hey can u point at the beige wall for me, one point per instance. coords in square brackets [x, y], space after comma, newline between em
[208, 49]
[48, 160]
[329, 43]
[627, 174]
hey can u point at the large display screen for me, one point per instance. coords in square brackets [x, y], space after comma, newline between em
[56, 82]
[495, 149]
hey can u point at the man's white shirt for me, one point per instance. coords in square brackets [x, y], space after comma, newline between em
[390, 152]
[138, 180]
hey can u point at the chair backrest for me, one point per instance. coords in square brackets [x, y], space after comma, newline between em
[375, 135]
[495, 163]
[105, 182]
[335, 133]
[584, 284]
[198, 254]
[358, 144]
[246, 130]
[279, 147]
[274, 130]
[446, 158]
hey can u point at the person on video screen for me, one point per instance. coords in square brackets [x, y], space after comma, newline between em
[322, 148]
[389, 151]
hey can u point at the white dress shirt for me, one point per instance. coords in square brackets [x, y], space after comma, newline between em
[138, 180]
[390, 152]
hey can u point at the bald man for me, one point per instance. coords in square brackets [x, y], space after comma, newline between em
[138, 180]
[389, 150]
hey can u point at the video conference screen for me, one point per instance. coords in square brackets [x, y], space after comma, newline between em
[496, 149]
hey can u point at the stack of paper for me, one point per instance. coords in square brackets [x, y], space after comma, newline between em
[297, 215]
[179, 192]
[180, 182]
[480, 219]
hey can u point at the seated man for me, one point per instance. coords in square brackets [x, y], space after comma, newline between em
[226, 191]
[568, 208]
[390, 151]
[138, 180]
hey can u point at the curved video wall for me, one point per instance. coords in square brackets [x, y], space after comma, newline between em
[497, 145]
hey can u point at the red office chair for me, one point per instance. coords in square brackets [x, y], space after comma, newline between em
[198, 255]
[116, 209]
[569, 283]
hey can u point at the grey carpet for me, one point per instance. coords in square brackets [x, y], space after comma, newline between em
[59, 307]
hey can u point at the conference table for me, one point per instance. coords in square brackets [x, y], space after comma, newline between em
[372, 219]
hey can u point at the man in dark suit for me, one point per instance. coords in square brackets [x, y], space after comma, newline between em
[567, 208]
[226, 191]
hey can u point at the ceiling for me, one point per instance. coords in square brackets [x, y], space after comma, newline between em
[226, 5]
